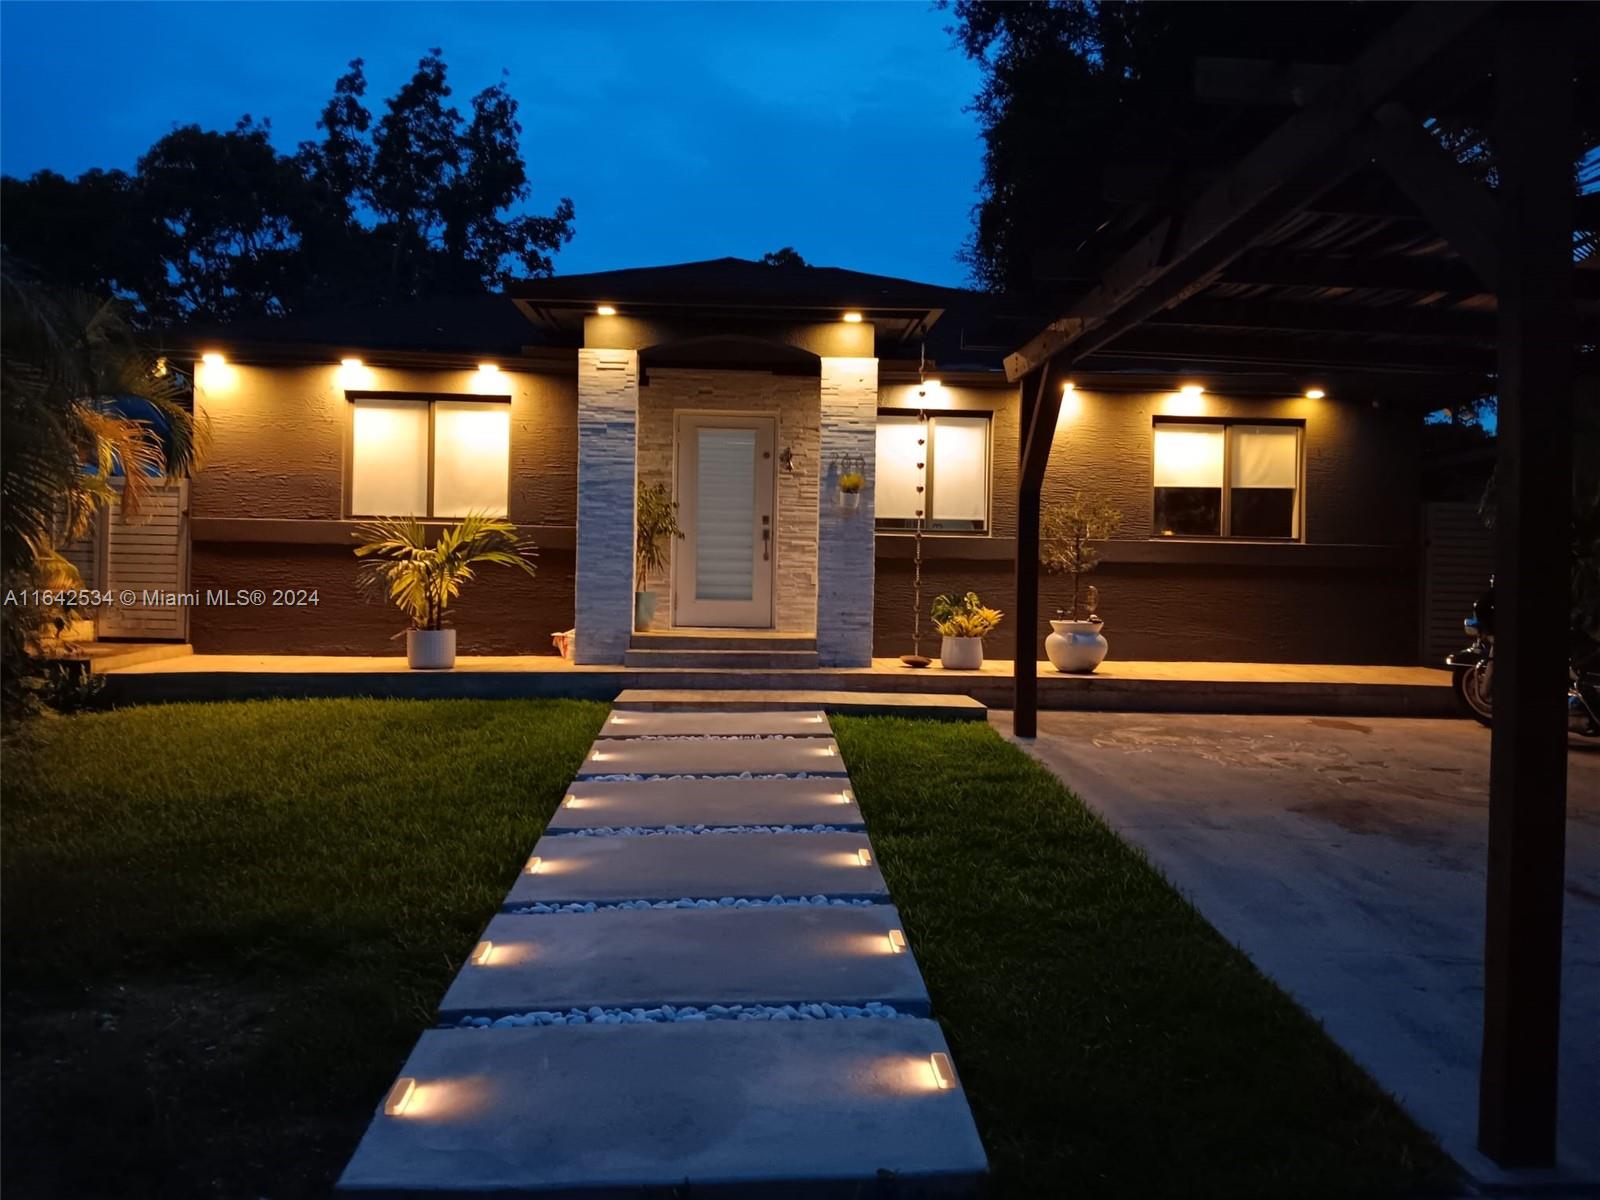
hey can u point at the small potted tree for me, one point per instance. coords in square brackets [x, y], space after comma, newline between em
[1068, 530]
[655, 525]
[423, 580]
[963, 622]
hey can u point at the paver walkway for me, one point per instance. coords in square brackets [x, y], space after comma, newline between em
[686, 995]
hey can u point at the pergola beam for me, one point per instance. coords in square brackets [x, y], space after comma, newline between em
[1302, 158]
[1389, 320]
[1153, 341]
[1457, 205]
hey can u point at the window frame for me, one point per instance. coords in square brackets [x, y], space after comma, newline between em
[432, 400]
[1225, 511]
[930, 526]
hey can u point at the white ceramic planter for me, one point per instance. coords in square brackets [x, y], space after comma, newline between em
[1075, 647]
[644, 609]
[961, 654]
[431, 649]
[849, 501]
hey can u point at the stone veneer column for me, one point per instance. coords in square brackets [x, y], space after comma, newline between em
[608, 410]
[845, 539]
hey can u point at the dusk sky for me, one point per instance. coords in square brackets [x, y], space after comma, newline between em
[681, 131]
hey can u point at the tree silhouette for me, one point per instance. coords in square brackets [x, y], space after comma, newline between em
[420, 201]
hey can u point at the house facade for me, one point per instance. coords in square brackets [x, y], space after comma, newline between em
[1262, 519]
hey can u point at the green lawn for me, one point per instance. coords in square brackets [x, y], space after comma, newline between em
[1110, 1041]
[225, 924]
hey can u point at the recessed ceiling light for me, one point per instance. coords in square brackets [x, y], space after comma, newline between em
[605, 310]
[853, 318]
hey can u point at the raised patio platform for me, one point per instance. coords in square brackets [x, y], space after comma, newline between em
[1288, 688]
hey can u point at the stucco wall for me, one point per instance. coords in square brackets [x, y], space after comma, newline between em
[1201, 600]
[279, 443]
[279, 439]
[795, 401]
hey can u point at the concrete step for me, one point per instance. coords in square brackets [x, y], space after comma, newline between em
[713, 756]
[819, 1109]
[632, 959]
[798, 723]
[723, 660]
[895, 704]
[722, 639]
[658, 802]
[747, 866]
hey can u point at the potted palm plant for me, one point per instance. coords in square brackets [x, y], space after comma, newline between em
[423, 580]
[1068, 530]
[963, 622]
[655, 525]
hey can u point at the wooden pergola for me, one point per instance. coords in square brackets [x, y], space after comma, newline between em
[1349, 244]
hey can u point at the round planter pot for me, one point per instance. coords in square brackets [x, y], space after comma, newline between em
[1075, 647]
[961, 654]
[431, 649]
[644, 609]
[849, 501]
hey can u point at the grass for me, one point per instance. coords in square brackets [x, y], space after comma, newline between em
[225, 924]
[1111, 1043]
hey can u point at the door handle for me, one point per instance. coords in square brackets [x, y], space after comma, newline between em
[766, 544]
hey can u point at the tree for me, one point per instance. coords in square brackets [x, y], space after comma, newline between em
[1068, 530]
[220, 225]
[786, 257]
[1071, 87]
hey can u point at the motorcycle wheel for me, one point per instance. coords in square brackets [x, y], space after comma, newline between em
[1474, 688]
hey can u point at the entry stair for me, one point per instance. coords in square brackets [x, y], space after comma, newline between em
[732, 650]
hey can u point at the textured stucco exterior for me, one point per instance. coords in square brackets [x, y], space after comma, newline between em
[1205, 600]
[794, 403]
[273, 483]
[280, 438]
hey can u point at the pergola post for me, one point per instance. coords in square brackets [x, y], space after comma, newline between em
[1533, 145]
[1039, 415]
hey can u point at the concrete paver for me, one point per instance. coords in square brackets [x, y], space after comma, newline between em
[723, 1108]
[712, 865]
[658, 802]
[641, 959]
[711, 756]
[802, 723]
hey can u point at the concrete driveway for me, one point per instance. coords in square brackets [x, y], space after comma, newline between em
[1346, 858]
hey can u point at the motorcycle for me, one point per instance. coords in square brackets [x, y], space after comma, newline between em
[1472, 672]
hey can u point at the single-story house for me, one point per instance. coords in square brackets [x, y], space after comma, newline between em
[1264, 518]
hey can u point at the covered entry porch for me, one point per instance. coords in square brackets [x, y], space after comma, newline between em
[747, 427]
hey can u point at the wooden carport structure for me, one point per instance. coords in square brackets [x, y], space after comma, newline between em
[1349, 244]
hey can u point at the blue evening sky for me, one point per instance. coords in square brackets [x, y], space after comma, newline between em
[681, 131]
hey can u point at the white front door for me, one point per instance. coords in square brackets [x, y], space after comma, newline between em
[723, 566]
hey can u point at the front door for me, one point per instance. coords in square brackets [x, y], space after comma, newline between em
[723, 566]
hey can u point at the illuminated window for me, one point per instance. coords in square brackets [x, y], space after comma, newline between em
[948, 456]
[1227, 479]
[425, 457]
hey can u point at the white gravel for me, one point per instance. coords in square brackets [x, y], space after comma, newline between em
[636, 778]
[590, 906]
[667, 1013]
[653, 830]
